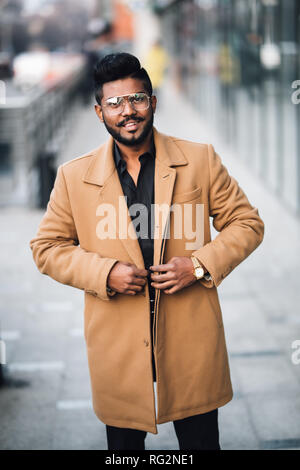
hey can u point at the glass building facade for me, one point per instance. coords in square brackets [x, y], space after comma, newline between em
[239, 64]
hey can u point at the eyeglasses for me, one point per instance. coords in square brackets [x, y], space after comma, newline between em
[116, 104]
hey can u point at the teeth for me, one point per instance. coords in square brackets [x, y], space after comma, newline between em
[130, 124]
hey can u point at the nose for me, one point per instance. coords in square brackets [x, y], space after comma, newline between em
[128, 108]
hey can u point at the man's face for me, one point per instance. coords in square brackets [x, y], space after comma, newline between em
[130, 127]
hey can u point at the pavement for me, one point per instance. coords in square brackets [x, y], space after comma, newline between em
[46, 401]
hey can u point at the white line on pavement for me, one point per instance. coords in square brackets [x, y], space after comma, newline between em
[73, 404]
[36, 366]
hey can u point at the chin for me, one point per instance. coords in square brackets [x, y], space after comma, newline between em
[130, 139]
[130, 136]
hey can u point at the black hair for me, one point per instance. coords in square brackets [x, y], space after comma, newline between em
[117, 66]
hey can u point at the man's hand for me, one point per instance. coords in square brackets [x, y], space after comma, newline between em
[126, 278]
[175, 275]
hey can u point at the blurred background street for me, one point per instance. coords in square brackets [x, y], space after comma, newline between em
[225, 72]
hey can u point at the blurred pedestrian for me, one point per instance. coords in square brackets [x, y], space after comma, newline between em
[151, 304]
[229, 74]
[156, 63]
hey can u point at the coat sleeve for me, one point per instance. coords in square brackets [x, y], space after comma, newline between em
[56, 249]
[241, 229]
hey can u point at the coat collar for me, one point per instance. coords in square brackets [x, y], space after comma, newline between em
[102, 164]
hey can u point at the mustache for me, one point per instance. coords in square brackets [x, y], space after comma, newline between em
[133, 118]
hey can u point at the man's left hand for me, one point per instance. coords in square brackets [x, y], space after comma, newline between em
[174, 275]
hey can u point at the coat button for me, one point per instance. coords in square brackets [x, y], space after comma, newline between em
[146, 342]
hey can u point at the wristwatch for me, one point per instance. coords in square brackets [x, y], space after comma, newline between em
[198, 270]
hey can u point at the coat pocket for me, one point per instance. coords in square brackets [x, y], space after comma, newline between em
[188, 196]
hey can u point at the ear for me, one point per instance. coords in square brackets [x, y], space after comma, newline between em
[99, 113]
[153, 102]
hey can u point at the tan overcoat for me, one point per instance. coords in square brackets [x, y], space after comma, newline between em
[81, 237]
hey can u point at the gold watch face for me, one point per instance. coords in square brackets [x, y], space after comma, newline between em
[199, 272]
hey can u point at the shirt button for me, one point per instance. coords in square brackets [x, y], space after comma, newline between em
[146, 342]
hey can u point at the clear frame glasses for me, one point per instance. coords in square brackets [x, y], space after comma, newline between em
[116, 104]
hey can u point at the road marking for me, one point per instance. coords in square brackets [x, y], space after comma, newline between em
[36, 366]
[74, 404]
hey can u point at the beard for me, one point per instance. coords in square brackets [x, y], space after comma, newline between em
[130, 142]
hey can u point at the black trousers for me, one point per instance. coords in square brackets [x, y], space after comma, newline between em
[199, 432]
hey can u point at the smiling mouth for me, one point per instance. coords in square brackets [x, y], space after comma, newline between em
[131, 125]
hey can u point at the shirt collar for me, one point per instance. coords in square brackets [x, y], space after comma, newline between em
[121, 164]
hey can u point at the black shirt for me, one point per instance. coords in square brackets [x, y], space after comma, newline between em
[142, 193]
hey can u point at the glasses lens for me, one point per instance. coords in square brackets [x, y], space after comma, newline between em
[139, 101]
[115, 105]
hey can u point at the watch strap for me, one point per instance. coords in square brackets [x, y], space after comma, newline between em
[195, 262]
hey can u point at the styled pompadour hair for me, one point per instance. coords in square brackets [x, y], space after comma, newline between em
[117, 66]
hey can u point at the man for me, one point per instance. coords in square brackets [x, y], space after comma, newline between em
[119, 226]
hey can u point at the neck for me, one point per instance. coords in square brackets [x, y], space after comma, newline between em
[131, 153]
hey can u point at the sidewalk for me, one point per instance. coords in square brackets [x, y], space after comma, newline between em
[47, 405]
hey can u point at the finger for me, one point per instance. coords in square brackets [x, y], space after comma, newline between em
[135, 287]
[162, 277]
[163, 285]
[130, 292]
[162, 267]
[172, 291]
[140, 272]
[140, 281]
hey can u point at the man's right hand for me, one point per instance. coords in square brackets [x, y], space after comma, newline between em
[126, 278]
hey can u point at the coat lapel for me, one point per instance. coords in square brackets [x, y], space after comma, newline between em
[167, 156]
[102, 172]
